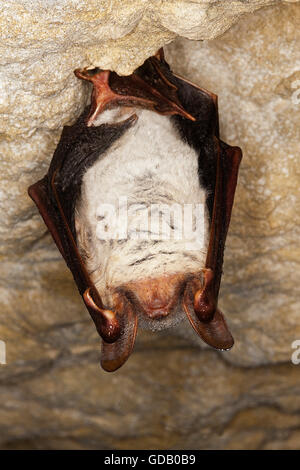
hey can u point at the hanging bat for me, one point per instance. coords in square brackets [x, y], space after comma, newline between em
[148, 139]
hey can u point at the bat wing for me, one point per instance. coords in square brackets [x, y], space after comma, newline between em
[218, 172]
[201, 305]
[55, 196]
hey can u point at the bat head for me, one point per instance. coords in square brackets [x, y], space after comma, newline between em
[160, 303]
[157, 301]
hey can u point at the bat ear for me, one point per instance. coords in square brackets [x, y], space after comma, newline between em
[114, 355]
[207, 320]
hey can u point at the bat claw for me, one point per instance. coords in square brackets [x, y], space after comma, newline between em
[108, 326]
[204, 307]
[117, 328]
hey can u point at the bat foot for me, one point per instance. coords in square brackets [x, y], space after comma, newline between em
[204, 301]
[117, 329]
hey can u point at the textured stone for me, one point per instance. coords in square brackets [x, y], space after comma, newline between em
[170, 394]
[42, 42]
[257, 80]
[108, 33]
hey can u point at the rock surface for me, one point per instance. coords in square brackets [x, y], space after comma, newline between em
[108, 33]
[42, 42]
[53, 393]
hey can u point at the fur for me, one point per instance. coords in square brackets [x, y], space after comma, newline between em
[149, 164]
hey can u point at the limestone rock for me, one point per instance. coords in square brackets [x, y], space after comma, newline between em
[108, 33]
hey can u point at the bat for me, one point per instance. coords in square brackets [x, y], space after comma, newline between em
[147, 148]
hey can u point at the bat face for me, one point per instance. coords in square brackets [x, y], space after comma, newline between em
[138, 199]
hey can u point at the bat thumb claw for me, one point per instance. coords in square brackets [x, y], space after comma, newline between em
[204, 306]
[204, 316]
[204, 299]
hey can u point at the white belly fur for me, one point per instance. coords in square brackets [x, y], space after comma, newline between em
[148, 164]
